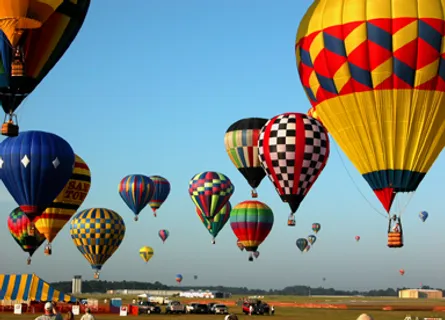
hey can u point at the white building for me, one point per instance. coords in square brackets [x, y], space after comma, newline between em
[76, 287]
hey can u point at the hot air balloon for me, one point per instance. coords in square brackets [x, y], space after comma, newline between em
[293, 150]
[357, 238]
[136, 190]
[195, 277]
[97, 233]
[163, 234]
[302, 243]
[34, 36]
[18, 225]
[54, 218]
[178, 278]
[373, 72]
[316, 227]
[146, 253]
[311, 239]
[218, 222]
[160, 194]
[423, 216]
[308, 247]
[256, 254]
[210, 191]
[402, 272]
[241, 141]
[251, 222]
[35, 167]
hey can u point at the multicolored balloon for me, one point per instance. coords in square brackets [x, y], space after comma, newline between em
[35, 166]
[372, 71]
[35, 35]
[302, 243]
[256, 254]
[218, 223]
[97, 233]
[293, 151]
[316, 227]
[54, 218]
[251, 222]
[136, 190]
[311, 239]
[308, 247]
[18, 225]
[178, 278]
[146, 253]
[210, 191]
[163, 234]
[423, 216]
[241, 142]
[161, 192]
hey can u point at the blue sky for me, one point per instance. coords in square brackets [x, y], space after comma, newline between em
[151, 87]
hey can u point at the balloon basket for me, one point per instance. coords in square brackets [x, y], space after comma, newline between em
[291, 223]
[10, 129]
[155, 215]
[48, 251]
[254, 194]
[136, 218]
[395, 239]
[28, 261]
[96, 275]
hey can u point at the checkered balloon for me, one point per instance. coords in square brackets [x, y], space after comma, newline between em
[293, 150]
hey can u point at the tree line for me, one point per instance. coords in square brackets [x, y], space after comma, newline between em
[102, 286]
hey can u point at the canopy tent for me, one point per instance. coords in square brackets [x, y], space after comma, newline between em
[29, 287]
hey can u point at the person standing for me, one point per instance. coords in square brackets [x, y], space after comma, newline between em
[50, 313]
[88, 315]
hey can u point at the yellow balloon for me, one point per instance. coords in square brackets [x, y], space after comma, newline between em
[146, 253]
[67, 202]
[373, 72]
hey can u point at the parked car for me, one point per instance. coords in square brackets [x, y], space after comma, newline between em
[190, 307]
[175, 307]
[220, 309]
[258, 308]
[211, 306]
[201, 308]
[146, 307]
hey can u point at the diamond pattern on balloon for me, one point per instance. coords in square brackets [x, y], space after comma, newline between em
[25, 161]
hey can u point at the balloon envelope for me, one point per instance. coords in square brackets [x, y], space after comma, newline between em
[35, 166]
[97, 233]
[372, 71]
[54, 218]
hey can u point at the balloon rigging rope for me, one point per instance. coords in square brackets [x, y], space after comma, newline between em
[356, 186]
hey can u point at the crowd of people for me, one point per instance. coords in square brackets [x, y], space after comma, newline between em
[51, 313]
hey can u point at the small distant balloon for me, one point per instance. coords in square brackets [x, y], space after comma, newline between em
[423, 216]
[357, 238]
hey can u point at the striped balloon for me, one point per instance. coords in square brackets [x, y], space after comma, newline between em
[19, 225]
[163, 234]
[66, 204]
[218, 223]
[136, 190]
[241, 142]
[97, 234]
[160, 194]
[251, 222]
[210, 191]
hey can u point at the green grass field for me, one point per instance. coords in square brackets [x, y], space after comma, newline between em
[288, 313]
[282, 314]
